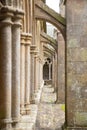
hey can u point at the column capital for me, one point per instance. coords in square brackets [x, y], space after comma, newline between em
[26, 38]
[33, 50]
[6, 19]
[6, 121]
[15, 11]
[9, 14]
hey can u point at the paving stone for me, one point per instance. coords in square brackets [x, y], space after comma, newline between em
[50, 115]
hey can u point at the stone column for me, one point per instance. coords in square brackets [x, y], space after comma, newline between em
[5, 71]
[42, 71]
[76, 72]
[49, 71]
[37, 78]
[16, 69]
[53, 72]
[38, 73]
[27, 73]
[41, 81]
[22, 79]
[32, 52]
[61, 69]
[42, 58]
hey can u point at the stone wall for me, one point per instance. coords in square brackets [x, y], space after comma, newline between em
[76, 80]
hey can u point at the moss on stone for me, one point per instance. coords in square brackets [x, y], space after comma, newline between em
[63, 107]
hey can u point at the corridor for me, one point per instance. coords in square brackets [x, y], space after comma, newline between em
[38, 44]
[50, 116]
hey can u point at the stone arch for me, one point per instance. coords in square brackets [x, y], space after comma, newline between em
[48, 40]
[43, 12]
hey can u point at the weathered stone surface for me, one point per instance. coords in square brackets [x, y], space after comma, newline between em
[61, 69]
[5, 72]
[73, 54]
[76, 64]
[50, 115]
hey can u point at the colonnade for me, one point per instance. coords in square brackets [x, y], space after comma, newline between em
[10, 68]
[21, 66]
[18, 62]
[22, 56]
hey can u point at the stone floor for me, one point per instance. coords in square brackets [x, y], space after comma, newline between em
[50, 116]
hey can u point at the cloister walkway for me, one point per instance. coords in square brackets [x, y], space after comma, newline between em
[50, 116]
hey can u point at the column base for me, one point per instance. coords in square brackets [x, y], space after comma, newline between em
[33, 99]
[6, 124]
[27, 109]
[15, 120]
[22, 111]
[15, 126]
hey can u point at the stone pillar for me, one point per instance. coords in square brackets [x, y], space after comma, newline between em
[22, 80]
[16, 69]
[53, 72]
[37, 78]
[32, 52]
[41, 69]
[36, 73]
[42, 60]
[5, 71]
[27, 73]
[76, 72]
[49, 71]
[39, 73]
[61, 69]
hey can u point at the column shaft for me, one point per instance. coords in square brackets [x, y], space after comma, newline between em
[5, 71]
[49, 71]
[61, 69]
[27, 75]
[22, 92]
[53, 72]
[33, 72]
[32, 77]
[36, 74]
[16, 71]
